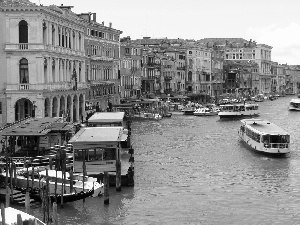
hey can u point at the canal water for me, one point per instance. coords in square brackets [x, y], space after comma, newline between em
[195, 170]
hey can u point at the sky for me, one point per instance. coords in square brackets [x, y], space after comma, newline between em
[272, 22]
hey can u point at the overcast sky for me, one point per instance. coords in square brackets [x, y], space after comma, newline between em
[272, 22]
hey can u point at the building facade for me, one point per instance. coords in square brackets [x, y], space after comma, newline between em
[43, 62]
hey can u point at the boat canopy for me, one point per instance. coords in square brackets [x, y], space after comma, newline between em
[106, 118]
[97, 137]
[264, 127]
[295, 100]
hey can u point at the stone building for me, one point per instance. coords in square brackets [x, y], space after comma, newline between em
[102, 51]
[42, 62]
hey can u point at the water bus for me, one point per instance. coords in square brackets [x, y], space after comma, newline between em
[238, 110]
[294, 104]
[264, 136]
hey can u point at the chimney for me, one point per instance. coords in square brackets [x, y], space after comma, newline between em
[103, 23]
[94, 17]
[110, 24]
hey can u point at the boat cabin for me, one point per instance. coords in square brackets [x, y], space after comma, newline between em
[98, 148]
[271, 135]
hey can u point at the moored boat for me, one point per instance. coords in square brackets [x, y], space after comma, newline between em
[238, 110]
[294, 104]
[264, 136]
[80, 184]
[205, 112]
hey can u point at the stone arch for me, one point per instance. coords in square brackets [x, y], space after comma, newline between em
[62, 106]
[24, 108]
[81, 107]
[75, 104]
[69, 102]
[47, 107]
[54, 107]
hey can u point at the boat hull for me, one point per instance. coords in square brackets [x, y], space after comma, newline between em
[236, 115]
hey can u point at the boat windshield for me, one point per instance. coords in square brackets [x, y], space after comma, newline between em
[276, 141]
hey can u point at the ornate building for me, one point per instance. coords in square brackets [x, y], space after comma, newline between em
[42, 62]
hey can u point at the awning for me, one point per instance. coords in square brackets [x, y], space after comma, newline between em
[106, 117]
[35, 127]
[97, 137]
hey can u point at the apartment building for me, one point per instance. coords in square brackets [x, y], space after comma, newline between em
[102, 51]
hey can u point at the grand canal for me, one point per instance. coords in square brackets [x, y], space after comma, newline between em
[195, 170]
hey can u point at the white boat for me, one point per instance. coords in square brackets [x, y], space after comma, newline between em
[80, 183]
[264, 136]
[11, 217]
[294, 104]
[206, 112]
[238, 110]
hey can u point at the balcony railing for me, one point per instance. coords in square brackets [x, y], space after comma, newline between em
[181, 68]
[50, 86]
[30, 46]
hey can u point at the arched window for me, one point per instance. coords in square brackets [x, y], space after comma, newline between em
[23, 32]
[24, 76]
[190, 76]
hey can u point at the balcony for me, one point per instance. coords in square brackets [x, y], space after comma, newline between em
[181, 68]
[152, 64]
[168, 78]
[38, 47]
[41, 87]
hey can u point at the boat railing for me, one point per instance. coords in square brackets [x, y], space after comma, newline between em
[277, 145]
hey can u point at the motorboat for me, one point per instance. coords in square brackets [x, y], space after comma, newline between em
[238, 110]
[264, 136]
[203, 111]
[36, 178]
[294, 104]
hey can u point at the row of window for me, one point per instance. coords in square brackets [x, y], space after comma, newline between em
[104, 35]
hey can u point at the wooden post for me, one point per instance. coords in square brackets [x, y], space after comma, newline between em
[50, 162]
[84, 171]
[71, 181]
[7, 199]
[55, 187]
[15, 175]
[54, 217]
[62, 190]
[19, 219]
[11, 180]
[106, 186]
[32, 178]
[27, 183]
[118, 175]
[27, 202]
[3, 213]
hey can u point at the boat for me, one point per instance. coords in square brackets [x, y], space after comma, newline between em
[264, 136]
[167, 114]
[81, 183]
[294, 104]
[11, 217]
[238, 110]
[206, 112]
[188, 111]
[70, 197]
